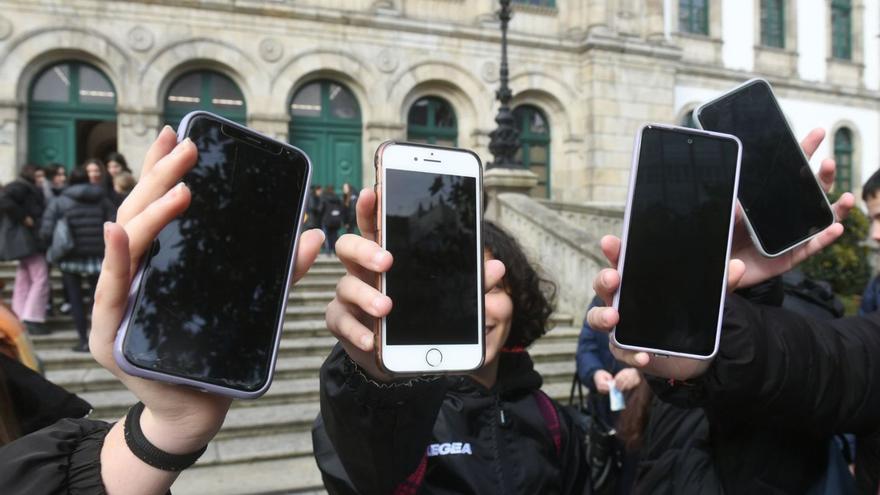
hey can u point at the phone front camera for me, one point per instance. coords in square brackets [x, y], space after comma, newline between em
[415, 158]
[690, 141]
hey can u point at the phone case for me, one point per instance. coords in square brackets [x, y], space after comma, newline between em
[135, 370]
[668, 363]
[749, 226]
[378, 189]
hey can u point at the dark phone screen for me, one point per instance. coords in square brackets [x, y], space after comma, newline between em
[676, 246]
[210, 300]
[431, 230]
[778, 192]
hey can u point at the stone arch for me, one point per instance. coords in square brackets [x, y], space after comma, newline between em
[27, 55]
[306, 67]
[461, 88]
[176, 58]
[552, 94]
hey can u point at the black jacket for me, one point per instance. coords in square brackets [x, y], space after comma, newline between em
[21, 199]
[473, 439]
[781, 386]
[333, 214]
[86, 207]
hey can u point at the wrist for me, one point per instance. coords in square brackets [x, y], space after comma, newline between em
[176, 437]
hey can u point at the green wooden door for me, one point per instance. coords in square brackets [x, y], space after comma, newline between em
[62, 99]
[204, 90]
[326, 124]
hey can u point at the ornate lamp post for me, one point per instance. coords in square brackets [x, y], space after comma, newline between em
[504, 140]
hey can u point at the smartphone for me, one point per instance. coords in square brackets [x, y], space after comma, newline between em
[676, 242]
[207, 304]
[784, 204]
[430, 220]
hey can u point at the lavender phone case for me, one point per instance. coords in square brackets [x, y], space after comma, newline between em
[134, 370]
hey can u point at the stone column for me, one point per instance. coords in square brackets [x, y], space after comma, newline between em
[135, 132]
[503, 180]
[12, 141]
[375, 133]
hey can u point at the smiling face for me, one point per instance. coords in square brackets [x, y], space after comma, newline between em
[499, 316]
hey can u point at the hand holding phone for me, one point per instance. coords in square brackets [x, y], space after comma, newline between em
[358, 305]
[177, 419]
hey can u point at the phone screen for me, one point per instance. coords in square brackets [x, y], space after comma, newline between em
[210, 299]
[677, 241]
[431, 231]
[778, 192]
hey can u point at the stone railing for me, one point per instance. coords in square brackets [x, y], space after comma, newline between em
[567, 254]
[595, 219]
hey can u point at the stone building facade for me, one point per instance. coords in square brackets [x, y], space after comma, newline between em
[337, 77]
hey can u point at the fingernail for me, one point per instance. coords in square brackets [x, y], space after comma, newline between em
[106, 229]
[167, 128]
[181, 146]
[379, 303]
[379, 258]
[366, 342]
[605, 278]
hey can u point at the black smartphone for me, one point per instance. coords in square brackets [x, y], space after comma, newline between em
[784, 204]
[207, 305]
[676, 242]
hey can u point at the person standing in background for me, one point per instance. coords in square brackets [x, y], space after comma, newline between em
[23, 202]
[116, 164]
[332, 217]
[349, 200]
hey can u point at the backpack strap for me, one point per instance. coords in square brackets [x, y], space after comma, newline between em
[551, 418]
[411, 485]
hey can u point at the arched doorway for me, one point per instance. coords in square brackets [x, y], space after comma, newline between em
[71, 115]
[204, 90]
[325, 122]
[431, 120]
[534, 145]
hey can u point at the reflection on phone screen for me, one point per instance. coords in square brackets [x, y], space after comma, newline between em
[211, 295]
[430, 229]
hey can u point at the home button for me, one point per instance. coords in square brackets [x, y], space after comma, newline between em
[434, 357]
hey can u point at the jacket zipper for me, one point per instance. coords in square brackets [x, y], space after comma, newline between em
[498, 422]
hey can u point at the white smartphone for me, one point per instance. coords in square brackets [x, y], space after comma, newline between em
[676, 243]
[782, 200]
[430, 220]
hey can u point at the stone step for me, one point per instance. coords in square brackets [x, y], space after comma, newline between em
[298, 475]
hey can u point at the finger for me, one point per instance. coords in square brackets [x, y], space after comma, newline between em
[494, 272]
[362, 257]
[366, 213]
[353, 291]
[167, 172]
[611, 248]
[818, 243]
[111, 294]
[164, 143]
[735, 271]
[843, 206]
[812, 141]
[602, 318]
[348, 329]
[310, 243]
[631, 358]
[606, 284]
[144, 228]
[827, 170]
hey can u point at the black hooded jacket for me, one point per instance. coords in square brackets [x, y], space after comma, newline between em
[86, 207]
[370, 437]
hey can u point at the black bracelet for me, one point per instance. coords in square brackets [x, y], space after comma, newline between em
[149, 453]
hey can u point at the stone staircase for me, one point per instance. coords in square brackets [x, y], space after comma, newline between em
[265, 444]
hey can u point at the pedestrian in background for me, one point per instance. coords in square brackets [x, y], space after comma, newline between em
[85, 206]
[116, 164]
[123, 183]
[23, 203]
[349, 201]
[97, 174]
[332, 217]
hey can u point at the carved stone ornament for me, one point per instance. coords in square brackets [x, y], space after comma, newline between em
[387, 61]
[271, 50]
[489, 72]
[5, 28]
[140, 39]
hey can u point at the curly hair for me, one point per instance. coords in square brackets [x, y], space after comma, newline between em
[532, 296]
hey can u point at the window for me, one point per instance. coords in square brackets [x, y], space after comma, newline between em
[841, 29]
[432, 120]
[773, 23]
[74, 84]
[843, 155]
[693, 16]
[534, 145]
[204, 90]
